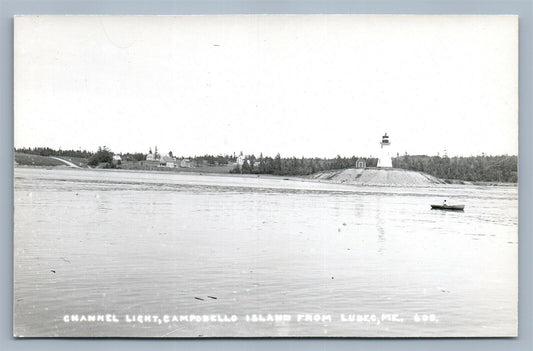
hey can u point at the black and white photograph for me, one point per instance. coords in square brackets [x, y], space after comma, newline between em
[243, 176]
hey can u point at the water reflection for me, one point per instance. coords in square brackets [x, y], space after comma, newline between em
[381, 230]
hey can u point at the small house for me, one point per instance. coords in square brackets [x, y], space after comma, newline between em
[360, 163]
[117, 160]
[167, 161]
[241, 159]
[186, 163]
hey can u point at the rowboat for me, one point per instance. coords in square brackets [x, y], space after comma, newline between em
[448, 207]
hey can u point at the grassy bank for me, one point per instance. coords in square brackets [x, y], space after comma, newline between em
[46, 161]
[36, 160]
[134, 165]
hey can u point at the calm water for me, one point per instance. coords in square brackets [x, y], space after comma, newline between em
[128, 244]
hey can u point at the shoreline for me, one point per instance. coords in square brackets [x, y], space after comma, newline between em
[306, 178]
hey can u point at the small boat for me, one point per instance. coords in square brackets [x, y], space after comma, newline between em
[448, 207]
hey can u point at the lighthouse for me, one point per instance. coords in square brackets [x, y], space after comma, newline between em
[385, 159]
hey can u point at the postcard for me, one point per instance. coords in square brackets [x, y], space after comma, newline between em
[266, 176]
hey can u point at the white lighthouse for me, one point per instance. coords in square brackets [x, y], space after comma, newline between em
[385, 159]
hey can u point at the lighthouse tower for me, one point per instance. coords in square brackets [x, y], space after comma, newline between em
[385, 159]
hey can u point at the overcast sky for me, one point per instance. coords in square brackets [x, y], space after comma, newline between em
[297, 85]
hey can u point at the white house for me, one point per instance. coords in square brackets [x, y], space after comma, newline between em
[240, 159]
[186, 163]
[167, 161]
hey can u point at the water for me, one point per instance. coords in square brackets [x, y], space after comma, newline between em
[140, 243]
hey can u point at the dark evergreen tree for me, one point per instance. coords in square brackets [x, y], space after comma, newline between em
[103, 155]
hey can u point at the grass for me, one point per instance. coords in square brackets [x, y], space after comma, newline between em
[134, 165]
[36, 160]
[46, 161]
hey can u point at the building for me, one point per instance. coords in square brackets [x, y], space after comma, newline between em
[186, 163]
[167, 161]
[240, 160]
[360, 163]
[153, 156]
[385, 159]
[117, 160]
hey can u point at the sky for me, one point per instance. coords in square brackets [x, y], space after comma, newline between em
[313, 86]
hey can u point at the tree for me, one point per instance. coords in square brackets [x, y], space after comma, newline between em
[103, 155]
[246, 168]
[277, 164]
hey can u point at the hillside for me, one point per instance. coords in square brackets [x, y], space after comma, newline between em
[47, 161]
[375, 176]
[36, 160]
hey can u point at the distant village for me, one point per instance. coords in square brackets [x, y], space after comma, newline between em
[238, 163]
[168, 160]
[154, 160]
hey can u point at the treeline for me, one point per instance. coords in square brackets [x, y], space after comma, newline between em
[473, 168]
[296, 166]
[46, 151]
[212, 160]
